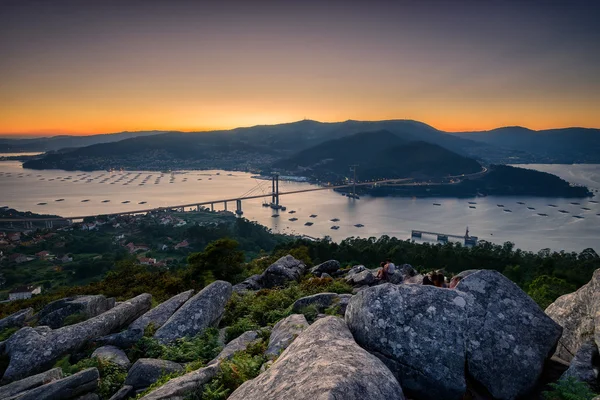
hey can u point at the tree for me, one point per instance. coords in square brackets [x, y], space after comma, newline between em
[545, 289]
[220, 258]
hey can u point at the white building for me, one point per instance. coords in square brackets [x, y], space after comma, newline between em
[24, 292]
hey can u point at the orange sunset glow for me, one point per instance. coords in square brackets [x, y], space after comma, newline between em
[110, 67]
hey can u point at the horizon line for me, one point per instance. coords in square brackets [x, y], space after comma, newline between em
[45, 134]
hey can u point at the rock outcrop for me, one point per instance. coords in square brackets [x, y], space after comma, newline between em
[145, 371]
[55, 313]
[202, 311]
[124, 339]
[328, 267]
[31, 382]
[32, 350]
[322, 301]
[363, 278]
[178, 388]
[579, 315]
[324, 362]
[283, 334]
[507, 326]
[424, 332]
[71, 387]
[282, 271]
[419, 331]
[162, 312]
[16, 320]
[112, 354]
[238, 344]
[124, 393]
[584, 366]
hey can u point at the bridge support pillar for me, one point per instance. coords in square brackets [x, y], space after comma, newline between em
[212, 206]
[198, 208]
[275, 188]
[225, 203]
[238, 207]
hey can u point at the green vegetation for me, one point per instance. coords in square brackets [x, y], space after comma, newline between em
[201, 348]
[569, 389]
[112, 376]
[6, 333]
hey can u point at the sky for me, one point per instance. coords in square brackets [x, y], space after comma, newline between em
[83, 67]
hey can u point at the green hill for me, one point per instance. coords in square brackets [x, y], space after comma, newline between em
[380, 154]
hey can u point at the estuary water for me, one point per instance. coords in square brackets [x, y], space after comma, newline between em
[73, 193]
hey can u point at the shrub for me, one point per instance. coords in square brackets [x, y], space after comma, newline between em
[74, 319]
[569, 389]
[240, 326]
[240, 368]
[158, 383]
[201, 348]
[6, 333]
[112, 376]
[310, 312]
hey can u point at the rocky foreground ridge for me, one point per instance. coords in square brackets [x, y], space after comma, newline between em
[483, 339]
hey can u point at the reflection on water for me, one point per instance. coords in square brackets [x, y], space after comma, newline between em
[86, 193]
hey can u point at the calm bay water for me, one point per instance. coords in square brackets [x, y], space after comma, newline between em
[24, 189]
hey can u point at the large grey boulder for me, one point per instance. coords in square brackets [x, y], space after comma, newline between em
[579, 315]
[282, 271]
[146, 371]
[113, 355]
[238, 344]
[487, 326]
[419, 331]
[17, 319]
[322, 301]
[123, 340]
[283, 334]
[324, 362]
[507, 326]
[162, 312]
[71, 387]
[124, 393]
[55, 313]
[31, 382]
[584, 366]
[202, 311]
[252, 283]
[362, 278]
[328, 267]
[178, 388]
[32, 350]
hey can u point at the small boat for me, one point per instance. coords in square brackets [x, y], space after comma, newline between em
[585, 208]
[472, 207]
[308, 224]
[334, 219]
[576, 204]
[106, 201]
[85, 201]
[125, 202]
[578, 216]
[335, 227]
[275, 216]
[563, 211]
[500, 205]
[593, 201]
[531, 208]
[552, 205]
[142, 202]
[543, 215]
[292, 212]
[436, 204]
[59, 200]
[42, 204]
[293, 219]
[359, 225]
[313, 215]
[472, 202]
[520, 202]
[506, 210]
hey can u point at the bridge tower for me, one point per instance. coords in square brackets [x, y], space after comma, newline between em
[353, 169]
[275, 188]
